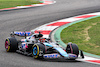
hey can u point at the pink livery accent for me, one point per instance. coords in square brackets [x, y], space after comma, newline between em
[24, 46]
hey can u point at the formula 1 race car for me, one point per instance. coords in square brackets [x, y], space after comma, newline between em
[38, 47]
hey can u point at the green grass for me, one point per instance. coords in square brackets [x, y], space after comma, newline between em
[14, 3]
[85, 34]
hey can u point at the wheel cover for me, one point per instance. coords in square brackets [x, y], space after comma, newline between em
[7, 45]
[35, 51]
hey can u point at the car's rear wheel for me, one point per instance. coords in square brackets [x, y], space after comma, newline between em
[11, 44]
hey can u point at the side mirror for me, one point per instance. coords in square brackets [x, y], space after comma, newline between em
[57, 41]
[48, 39]
[12, 34]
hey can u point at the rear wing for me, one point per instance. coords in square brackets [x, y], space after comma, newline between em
[20, 33]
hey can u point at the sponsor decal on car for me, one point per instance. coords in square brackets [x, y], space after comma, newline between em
[72, 55]
[24, 46]
[23, 33]
[51, 56]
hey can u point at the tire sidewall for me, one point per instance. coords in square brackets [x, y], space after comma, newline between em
[12, 44]
[73, 49]
[35, 48]
[39, 48]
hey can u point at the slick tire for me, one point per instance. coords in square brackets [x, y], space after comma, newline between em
[37, 51]
[72, 48]
[11, 44]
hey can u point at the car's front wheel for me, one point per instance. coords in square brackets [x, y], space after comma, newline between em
[38, 51]
[72, 48]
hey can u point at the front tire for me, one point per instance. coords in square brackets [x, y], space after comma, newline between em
[72, 48]
[11, 44]
[37, 51]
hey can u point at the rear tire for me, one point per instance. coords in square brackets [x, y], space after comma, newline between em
[11, 44]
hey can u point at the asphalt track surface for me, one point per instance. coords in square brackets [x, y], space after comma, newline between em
[28, 19]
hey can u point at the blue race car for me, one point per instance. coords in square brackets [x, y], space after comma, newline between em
[38, 47]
